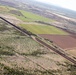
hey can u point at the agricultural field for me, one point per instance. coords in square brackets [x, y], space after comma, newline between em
[63, 41]
[23, 15]
[27, 20]
[43, 29]
[30, 17]
[35, 17]
[21, 55]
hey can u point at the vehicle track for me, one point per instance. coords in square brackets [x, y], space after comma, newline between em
[42, 42]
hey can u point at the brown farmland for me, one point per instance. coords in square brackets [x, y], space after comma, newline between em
[63, 41]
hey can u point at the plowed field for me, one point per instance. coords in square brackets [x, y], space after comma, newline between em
[63, 41]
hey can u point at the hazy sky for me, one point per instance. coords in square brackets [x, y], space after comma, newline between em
[71, 4]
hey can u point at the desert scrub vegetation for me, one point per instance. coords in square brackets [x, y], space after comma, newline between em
[21, 44]
[15, 32]
[6, 50]
[6, 28]
[34, 53]
[68, 68]
[3, 26]
[5, 70]
[71, 68]
[26, 45]
[15, 48]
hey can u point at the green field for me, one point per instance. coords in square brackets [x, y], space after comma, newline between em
[34, 17]
[27, 16]
[43, 29]
[23, 18]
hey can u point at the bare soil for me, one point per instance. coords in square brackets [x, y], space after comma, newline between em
[63, 41]
[72, 52]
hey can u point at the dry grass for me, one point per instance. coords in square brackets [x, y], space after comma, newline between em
[29, 58]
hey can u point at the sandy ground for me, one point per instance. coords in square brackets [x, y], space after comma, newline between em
[11, 18]
[72, 52]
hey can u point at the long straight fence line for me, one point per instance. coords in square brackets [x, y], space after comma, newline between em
[42, 42]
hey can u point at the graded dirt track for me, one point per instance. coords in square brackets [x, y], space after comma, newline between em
[63, 41]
